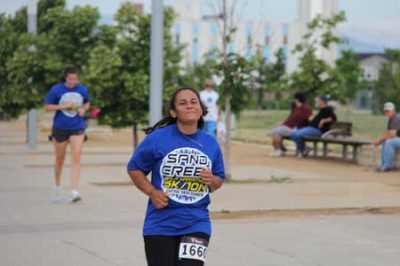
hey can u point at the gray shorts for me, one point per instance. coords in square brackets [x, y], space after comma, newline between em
[281, 131]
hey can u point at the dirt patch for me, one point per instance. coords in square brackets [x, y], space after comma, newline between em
[256, 214]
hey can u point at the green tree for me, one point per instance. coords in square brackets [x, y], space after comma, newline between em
[13, 35]
[72, 34]
[349, 70]
[11, 30]
[45, 25]
[31, 64]
[237, 77]
[275, 71]
[30, 73]
[8, 44]
[119, 94]
[270, 76]
[388, 85]
[118, 69]
[315, 76]
[197, 74]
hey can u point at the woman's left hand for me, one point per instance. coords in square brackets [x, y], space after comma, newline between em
[212, 181]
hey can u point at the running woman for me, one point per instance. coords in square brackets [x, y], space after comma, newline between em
[186, 164]
[70, 100]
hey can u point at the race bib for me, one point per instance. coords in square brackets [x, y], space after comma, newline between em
[193, 248]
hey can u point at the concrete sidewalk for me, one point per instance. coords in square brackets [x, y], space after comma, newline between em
[105, 229]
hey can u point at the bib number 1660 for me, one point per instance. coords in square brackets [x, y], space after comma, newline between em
[192, 251]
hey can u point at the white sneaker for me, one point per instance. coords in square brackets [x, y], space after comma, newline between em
[56, 195]
[277, 153]
[75, 197]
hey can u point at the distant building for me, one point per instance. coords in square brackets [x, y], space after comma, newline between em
[371, 64]
[201, 34]
[307, 10]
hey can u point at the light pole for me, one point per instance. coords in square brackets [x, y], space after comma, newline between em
[156, 61]
[32, 28]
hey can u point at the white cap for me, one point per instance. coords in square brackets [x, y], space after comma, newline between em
[388, 106]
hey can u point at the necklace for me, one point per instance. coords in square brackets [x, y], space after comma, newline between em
[193, 140]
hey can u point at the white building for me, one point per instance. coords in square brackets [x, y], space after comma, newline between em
[202, 34]
[307, 10]
[371, 65]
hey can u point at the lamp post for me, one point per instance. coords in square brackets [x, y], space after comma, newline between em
[156, 61]
[32, 28]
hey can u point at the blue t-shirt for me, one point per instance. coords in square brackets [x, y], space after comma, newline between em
[175, 161]
[68, 119]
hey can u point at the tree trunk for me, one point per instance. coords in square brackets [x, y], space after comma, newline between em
[228, 162]
[135, 136]
[228, 172]
[260, 97]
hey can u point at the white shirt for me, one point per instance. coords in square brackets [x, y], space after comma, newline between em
[209, 99]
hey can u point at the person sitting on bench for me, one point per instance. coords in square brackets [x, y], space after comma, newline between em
[298, 118]
[390, 141]
[318, 125]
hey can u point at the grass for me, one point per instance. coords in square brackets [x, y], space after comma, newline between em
[253, 125]
[277, 179]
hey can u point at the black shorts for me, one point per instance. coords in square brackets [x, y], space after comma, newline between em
[60, 135]
[164, 250]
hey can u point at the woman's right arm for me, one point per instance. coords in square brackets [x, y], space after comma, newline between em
[158, 197]
[56, 107]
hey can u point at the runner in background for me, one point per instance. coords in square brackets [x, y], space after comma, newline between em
[70, 100]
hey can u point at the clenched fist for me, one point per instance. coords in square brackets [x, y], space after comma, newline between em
[212, 181]
[159, 199]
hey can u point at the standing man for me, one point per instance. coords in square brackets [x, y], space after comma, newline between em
[209, 97]
[390, 141]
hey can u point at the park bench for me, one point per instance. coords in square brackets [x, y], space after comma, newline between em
[340, 134]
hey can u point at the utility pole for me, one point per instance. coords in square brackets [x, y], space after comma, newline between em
[32, 29]
[156, 61]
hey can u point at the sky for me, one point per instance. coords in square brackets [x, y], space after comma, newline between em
[376, 22]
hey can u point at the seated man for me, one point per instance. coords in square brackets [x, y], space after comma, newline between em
[318, 125]
[390, 141]
[298, 118]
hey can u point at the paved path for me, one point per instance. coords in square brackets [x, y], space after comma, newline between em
[105, 229]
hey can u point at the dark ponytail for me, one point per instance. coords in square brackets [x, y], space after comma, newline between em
[70, 69]
[169, 120]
